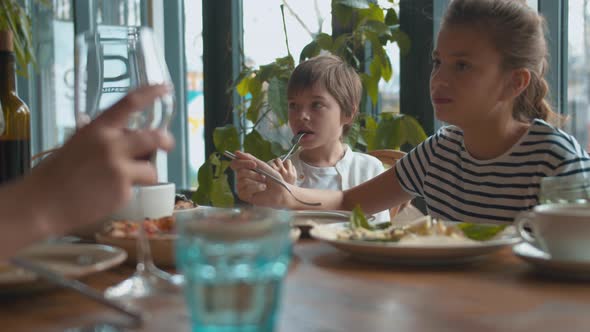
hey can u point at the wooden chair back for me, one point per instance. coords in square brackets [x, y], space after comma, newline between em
[389, 157]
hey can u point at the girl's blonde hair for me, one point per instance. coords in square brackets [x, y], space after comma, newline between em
[333, 74]
[517, 31]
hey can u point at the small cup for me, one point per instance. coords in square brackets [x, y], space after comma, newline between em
[153, 202]
[561, 230]
[233, 261]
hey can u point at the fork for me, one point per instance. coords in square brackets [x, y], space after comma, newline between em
[295, 143]
[275, 179]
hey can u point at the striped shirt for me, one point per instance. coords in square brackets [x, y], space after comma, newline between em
[457, 186]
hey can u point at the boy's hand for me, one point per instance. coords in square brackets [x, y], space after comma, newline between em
[256, 188]
[285, 168]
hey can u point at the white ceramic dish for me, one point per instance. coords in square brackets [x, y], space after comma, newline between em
[543, 263]
[155, 201]
[412, 254]
[73, 260]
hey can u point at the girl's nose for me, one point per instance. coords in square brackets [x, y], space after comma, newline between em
[438, 79]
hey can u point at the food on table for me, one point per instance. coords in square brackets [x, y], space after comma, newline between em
[421, 231]
[181, 202]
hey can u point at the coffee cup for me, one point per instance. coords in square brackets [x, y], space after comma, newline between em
[560, 230]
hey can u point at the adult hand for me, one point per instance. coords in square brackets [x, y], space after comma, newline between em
[285, 168]
[92, 174]
[256, 188]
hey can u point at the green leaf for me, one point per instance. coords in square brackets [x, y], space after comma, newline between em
[358, 4]
[221, 194]
[375, 67]
[309, 51]
[256, 104]
[376, 27]
[373, 13]
[205, 178]
[402, 40]
[389, 133]
[226, 138]
[391, 17]
[414, 132]
[386, 70]
[277, 99]
[480, 232]
[255, 144]
[371, 85]
[324, 41]
[359, 220]
[244, 86]
[370, 133]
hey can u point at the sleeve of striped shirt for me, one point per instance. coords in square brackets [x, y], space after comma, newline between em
[412, 168]
[576, 162]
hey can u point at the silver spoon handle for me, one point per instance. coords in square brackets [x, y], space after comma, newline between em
[275, 179]
[75, 285]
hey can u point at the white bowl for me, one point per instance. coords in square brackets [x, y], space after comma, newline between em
[154, 201]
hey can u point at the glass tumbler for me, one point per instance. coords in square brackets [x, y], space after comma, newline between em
[234, 262]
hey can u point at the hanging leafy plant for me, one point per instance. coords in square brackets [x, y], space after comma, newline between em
[13, 17]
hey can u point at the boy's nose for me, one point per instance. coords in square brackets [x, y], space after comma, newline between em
[304, 116]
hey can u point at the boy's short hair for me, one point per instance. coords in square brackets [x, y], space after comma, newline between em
[335, 75]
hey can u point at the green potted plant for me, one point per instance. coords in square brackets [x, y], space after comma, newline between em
[265, 96]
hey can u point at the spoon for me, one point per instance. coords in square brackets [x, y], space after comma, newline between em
[295, 143]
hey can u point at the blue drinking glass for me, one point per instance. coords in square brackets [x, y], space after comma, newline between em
[233, 261]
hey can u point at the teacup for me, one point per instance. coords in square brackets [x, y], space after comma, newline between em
[561, 230]
[152, 201]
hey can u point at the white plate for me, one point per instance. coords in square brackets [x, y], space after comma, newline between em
[73, 260]
[306, 219]
[410, 253]
[543, 262]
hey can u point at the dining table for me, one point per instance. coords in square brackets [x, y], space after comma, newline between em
[327, 290]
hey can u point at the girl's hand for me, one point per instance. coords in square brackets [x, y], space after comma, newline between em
[256, 188]
[285, 168]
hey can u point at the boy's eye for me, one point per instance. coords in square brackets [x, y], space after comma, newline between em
[291, 106]
[316, 105]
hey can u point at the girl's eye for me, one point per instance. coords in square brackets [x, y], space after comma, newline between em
[291, 106]
[435, 62]
[462, 66]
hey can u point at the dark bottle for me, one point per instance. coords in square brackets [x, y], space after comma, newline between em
[15, 140]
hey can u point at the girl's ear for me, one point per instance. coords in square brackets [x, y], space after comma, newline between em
[519, 81]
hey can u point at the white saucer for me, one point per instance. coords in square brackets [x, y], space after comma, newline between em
[544, 263]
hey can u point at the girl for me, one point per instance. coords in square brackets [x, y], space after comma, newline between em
[488, 83]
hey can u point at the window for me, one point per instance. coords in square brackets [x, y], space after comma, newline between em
[193, 13]
[578, 70]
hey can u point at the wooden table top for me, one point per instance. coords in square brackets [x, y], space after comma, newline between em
[326, 290]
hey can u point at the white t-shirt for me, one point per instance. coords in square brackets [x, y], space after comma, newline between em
[353, 169]
[457, 186]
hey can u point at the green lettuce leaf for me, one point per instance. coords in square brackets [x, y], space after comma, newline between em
[480, 232]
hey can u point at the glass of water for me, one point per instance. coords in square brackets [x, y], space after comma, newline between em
[565, 189]
[233, 261]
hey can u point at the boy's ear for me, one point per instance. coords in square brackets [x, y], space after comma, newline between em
[347, 119]
[519, 81]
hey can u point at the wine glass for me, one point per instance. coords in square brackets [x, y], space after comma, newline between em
[108, 63]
